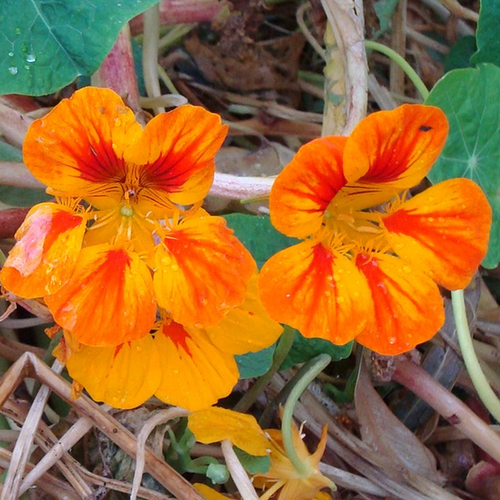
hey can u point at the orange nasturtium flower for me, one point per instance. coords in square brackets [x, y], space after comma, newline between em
[282, 479]
[372, 259]
[126, 238]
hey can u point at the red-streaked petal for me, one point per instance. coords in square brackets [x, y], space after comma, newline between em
[195, 374]
[443, 231]
[123, 377]
[390, 151]
[78, 147]
[176, 154]
[316, 290]
[303, 191]
[247, 328]
[109, 299]
[48, 244]
[407, 306]
[202, 271]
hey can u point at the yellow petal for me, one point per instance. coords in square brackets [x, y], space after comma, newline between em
[247, 328]
[123, 377]
[195, 374]
[216, 424]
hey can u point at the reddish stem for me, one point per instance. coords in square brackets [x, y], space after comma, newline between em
[117, 72]
[415, 378]
[183, 11]
[10, 220]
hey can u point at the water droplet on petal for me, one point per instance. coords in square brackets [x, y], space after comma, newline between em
[340, 300]
[13, 70]
[31, 58]
[11, 54]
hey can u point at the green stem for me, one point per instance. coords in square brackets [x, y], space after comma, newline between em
[484, 391]
[150, 53]
[394, 56]
[282, 349]
[315, 366]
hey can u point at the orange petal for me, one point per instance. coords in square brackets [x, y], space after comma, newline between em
[316, 290]
[48, 244]
[390, 151]
[109, 299]
[303, 191]
[247, 328]
[176, 154]
[123, 377]
[408, 308]
[77, 149]
[195, 374]
[217, 424]
[443, 231]
[209, 493]
[202, 271]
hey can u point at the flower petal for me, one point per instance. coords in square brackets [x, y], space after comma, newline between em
[216, 424]
[408, 308]
[176, 154]
[123, 377]
[247, 328]
[444, 231]
[316, 290]
[202, 271]
[48, 244]
[209, 493]
[390, 151]
[109, 299]
[77, 149]
[303, 191]
[195, 374]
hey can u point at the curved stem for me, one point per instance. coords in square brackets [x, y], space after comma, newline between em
[282, 349]
[150, 53]
[394, 56]
[484, 391]
[315, 366]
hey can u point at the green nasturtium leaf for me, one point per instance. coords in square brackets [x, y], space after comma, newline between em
[304, 349]
[258, 235]
[470, 99]
[255, 364]
[251, 463]
[488, 41]
[46, 44]
[460, 54]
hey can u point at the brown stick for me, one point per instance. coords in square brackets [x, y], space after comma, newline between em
[30, 366]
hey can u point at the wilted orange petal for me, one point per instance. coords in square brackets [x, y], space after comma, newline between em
[176, 154]
[408, 308]
[390, 151]
[444, 231]
[109, 299]
[48, 244]
[247, 328]
[202, 271]
[195, 374]
[316, 290]
[77, 148]
[303, 191]
[216, 424]
[123, 377]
